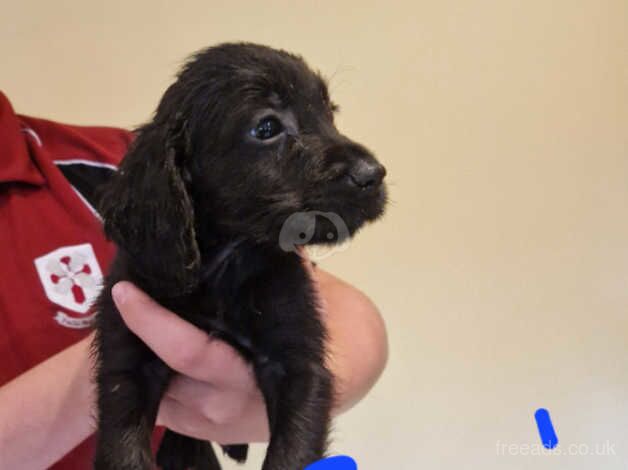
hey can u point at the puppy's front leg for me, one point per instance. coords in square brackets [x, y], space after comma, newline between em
[299, 408]
[128, 403]
[131, 381]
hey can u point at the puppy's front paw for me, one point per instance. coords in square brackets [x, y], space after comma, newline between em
[124, 454]
[179, 452]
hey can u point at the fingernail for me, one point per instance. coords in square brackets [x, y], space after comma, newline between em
[119, 292]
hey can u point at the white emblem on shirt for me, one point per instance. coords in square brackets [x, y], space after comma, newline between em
[72, 279]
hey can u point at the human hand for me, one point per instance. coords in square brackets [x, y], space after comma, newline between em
[214, 396]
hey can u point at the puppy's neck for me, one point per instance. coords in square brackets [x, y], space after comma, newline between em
[234, 258]
[216, 257]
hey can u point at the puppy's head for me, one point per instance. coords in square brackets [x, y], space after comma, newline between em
[243, 140]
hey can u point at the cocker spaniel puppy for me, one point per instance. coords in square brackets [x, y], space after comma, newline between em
[241, 152]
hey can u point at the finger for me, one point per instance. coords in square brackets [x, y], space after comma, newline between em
[253, 427]
[180, 418]
[219, 404]
[178, 343]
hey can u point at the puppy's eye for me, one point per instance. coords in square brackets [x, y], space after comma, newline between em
[267, 128]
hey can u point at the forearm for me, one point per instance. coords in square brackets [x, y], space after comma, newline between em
[358, 345]
[47, 411]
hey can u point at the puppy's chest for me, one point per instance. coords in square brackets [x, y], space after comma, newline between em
[252, 303]
[232, 314]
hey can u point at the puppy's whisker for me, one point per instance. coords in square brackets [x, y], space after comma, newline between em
[333, 80]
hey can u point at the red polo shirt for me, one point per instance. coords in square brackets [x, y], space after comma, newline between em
[52, 249]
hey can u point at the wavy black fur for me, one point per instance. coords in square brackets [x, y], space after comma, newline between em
[196, 211]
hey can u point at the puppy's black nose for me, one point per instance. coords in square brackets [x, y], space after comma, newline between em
[367, 174]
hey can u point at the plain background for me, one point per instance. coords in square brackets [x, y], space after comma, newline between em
[502, 265]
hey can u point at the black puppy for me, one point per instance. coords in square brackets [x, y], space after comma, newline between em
[241, 142]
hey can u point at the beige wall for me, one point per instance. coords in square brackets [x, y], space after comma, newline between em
[502, 266]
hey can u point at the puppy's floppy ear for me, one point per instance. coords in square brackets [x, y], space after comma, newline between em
[149, 214]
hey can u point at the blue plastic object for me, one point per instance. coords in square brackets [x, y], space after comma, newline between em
[546, 428]
[337, 462]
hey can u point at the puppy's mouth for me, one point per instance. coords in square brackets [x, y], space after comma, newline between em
[338, 215]
[360, 206]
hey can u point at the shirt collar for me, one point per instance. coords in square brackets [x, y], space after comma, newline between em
[16, 164]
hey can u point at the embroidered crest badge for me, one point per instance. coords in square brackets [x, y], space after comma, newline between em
[72, 279]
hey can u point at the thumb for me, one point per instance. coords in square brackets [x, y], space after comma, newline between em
[134, 304]
[167, 334]
[181, 345]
